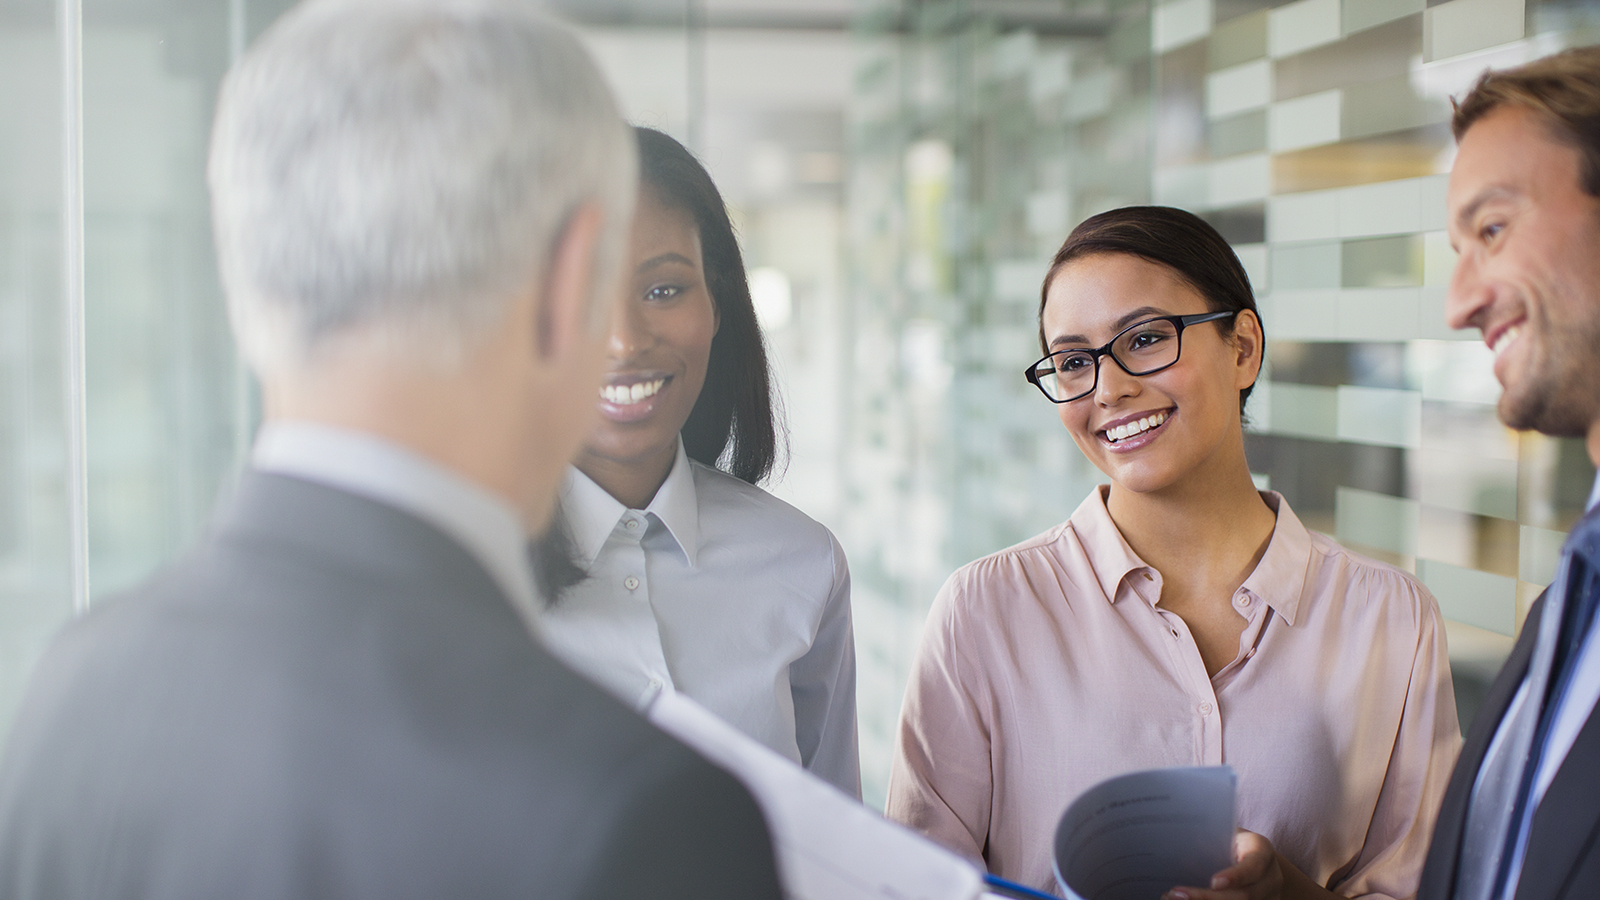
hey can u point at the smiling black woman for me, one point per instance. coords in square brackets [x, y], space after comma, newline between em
[697, 579]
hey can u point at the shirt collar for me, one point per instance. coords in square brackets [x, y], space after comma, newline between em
[592, 514]
[1278, 579]
[678, 506]
[362, 463]
[1109, 554]
[1594, 494]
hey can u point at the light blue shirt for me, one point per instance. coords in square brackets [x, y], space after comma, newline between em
[365, 464]
[1573, 710]
[728, 595]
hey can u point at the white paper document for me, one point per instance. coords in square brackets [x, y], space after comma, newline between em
[1137, 836]
[828, 846]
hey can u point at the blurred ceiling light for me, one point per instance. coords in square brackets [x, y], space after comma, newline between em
[769, 169]
[929, 160]
[769, 291]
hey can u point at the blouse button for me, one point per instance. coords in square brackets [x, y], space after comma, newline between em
[1205, 709]
[631, 583]
[631, 524]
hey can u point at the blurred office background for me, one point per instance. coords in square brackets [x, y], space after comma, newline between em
[901, 171]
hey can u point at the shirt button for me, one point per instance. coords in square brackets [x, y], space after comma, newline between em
[1205, 709]
[631, 524]
[656, 683]
[631, 583]
[1243, 601]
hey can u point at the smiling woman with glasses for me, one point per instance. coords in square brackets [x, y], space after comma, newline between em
[1180, 616]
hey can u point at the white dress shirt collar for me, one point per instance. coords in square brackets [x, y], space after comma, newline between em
[362, 463]
[592, 514]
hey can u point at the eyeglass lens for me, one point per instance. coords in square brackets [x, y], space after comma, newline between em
[1142, 349]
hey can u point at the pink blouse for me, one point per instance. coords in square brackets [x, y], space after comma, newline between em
[1047, 667]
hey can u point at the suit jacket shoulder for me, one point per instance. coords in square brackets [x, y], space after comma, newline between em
[330, 698]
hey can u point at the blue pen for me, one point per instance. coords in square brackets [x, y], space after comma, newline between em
[1012, 889]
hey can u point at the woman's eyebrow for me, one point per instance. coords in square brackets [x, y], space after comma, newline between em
[663, 259]
[1127, 319]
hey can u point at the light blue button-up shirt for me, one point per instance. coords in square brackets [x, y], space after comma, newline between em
[725, 593]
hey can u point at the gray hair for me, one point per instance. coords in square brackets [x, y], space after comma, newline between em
[397, 171]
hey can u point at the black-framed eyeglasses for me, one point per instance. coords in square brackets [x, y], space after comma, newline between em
[1143, 348]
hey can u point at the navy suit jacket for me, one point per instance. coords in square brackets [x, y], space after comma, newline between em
[329, 698]
[1563, 856]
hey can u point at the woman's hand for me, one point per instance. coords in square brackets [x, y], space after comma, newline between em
[1256, 874]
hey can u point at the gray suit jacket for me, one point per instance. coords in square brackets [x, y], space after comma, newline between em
[329, 698]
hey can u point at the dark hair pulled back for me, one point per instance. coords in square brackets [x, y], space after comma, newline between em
[1175, 239]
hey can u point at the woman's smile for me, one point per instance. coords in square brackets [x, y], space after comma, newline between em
[632, 397]
[1133, 432]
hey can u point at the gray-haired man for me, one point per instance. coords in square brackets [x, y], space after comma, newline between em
[334, 694]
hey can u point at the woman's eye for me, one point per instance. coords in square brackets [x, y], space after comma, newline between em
[663, 292]
[1073, 363]
[1146, 339]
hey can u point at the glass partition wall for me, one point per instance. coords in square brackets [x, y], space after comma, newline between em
[123, 410]
[35, 571]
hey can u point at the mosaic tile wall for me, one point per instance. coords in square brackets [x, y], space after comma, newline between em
[1314, 135]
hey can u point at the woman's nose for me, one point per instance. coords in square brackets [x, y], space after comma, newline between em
[630, 331]
[1112, 383]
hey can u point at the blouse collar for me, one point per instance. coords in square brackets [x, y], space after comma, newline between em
[1278, 579]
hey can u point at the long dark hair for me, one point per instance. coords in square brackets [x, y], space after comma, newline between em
[735, 423]
[1179, 241]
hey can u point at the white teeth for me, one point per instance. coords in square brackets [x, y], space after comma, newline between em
[1145, 423]
[1506, 339]
[630, 393]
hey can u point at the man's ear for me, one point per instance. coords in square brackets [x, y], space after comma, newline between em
[1249, 347]
[564, 313]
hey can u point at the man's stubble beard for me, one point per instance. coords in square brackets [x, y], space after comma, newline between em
[1560, 396]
